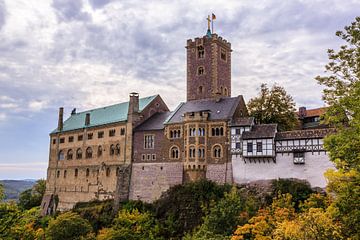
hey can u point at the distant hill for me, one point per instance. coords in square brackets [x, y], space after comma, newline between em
[13, 188]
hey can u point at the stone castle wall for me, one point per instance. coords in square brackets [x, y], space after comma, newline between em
[220, 173]
[150, 180]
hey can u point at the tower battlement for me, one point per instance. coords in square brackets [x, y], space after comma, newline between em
[206, 39]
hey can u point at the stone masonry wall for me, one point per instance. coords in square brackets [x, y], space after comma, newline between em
[150, 180]
[220, 173]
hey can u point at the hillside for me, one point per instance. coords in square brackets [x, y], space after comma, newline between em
[14, 187]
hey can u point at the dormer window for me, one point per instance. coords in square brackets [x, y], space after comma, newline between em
[201, 52]
[200, 71]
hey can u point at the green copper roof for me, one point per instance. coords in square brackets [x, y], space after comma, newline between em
[104, 115]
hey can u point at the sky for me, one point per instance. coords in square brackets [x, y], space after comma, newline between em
[93, 53]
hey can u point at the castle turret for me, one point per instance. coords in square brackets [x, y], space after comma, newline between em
[133, 111]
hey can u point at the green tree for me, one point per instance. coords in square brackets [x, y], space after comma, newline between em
[273, 106]
[2, 194]
[131, 225]
[32, 197]
[69, 226]
[183, 207]
[342, 94]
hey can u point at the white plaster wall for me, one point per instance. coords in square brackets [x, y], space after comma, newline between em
[313, 170]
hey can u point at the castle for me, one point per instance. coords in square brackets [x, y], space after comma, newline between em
[138, 149]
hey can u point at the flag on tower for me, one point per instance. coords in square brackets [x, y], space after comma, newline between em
[213, 17]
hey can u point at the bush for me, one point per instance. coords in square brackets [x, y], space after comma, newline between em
[69, 226]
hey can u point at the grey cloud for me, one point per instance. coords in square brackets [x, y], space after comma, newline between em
[99, 3]
[2, 14]
[70, 10]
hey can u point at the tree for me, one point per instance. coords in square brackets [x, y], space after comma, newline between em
[132, 225]
[2, 195]
[342, 94]
[273, 106]
[69, 226]
[32, 197]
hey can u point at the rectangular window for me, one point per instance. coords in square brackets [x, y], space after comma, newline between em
[143, 156]
[238, 145]
[259, 146]
[80, 137]
[154, 157]
[149, 141]
[148, 157]
[100, 134]
[54, 141]
[122, 131]
[237, 131]
[90, 136]
[71, 138]
[249, 147]
[62, 140]
[112, 132]
[223, 54]
[299, 157]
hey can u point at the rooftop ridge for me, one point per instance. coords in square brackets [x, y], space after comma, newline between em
[112, 105]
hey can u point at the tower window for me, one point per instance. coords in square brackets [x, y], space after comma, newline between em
[200, 89]
[223, 54]
[201, 71]
[201, 52]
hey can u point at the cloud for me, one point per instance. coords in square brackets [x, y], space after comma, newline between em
[98, 3]
[2, 14]
[69, 10]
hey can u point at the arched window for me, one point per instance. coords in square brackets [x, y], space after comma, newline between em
[112, 149]
[65, 172]
[217, 131]
[78, 153]
[225, 91]
[107, 172]
[99, 152]
[221, 131]
[61, 155]
[217, 153]
[213, 132]
[201, 71]
[87, 172]
[89, 152]
[178, 133]
[117, 149]
[221, 90]
[171, 134]
[174, 152]
[69, 154]
[76, 172]
[201, 52]
[201, 152]
[192, 152]
[200, 89]
[58, 174]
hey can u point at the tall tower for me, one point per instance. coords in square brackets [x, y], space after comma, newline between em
[208, 67]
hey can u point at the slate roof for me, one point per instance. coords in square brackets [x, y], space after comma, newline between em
[223, 109]
[261, 131]
[155, 122]
[104, 115]
[316, 112]
[243, 121]
[304, 134]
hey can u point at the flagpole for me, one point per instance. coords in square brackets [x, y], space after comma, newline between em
[212, 25]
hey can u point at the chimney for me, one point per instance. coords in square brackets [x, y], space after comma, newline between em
[134, 103]
[73, 111]
[302, 112]
[87, 119]
[61, 118]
